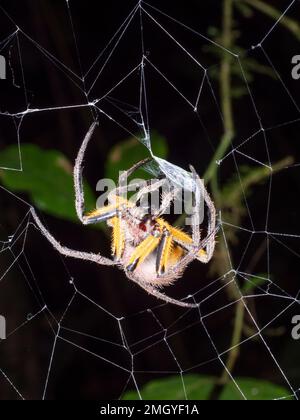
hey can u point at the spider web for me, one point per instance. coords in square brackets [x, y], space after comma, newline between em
[60, 333]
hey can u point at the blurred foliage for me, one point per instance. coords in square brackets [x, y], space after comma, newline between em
[231, 196]
[251, 66]
[199, 387]
[128, 152]
[46, 177]
[248, 6]
[240, 187]
[255, 282]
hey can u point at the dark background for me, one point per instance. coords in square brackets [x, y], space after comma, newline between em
[90, 368]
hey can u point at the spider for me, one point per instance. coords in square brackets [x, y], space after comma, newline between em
[151, 251]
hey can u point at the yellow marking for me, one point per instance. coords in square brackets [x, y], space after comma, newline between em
[178, 250]
[117, 202]
[182, 237]
[185, 239]
[166, 253]
[118, 238]
[144, 249]
[202, 253]
[101, 211]
[176, 255]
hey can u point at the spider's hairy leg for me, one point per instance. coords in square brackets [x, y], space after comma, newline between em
[193, 248]
[100, 215]
[77, 173]
[211, 230]
[168, 253]
[186, 242]
[87, 256]
[142, 251]
[151, 186]
[159, 295]
[164, 251]
[167, 199]
[125, 175]
[118, 238]
[198, 193]
[105, 213]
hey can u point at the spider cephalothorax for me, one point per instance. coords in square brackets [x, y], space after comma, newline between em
[151, 251]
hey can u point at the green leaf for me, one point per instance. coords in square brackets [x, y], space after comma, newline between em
[46, 177]
[130, 151]
[199, 387]
[253, 389]
[254, 282]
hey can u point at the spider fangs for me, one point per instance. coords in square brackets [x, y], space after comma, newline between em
[151, 251]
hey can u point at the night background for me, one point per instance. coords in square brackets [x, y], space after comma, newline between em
[219, 95]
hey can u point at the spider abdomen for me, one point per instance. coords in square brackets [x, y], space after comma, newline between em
[145, 271]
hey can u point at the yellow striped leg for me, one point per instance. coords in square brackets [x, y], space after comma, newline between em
[163, 253]
[142, 251]
[118, 238]
[185, 241]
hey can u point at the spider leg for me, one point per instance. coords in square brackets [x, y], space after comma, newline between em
[175, 271]
[201, 249]
[166, 201]
[101, 260]
[118, 238]
[163, 252]
[208, 243]
[199, 187]
[154, 185]
[100, 215]
[88, 256]
[77, 173]
[186, 242]
[78, 182]
[211, 230]
[146, 207]
[126, 174]
[142, 251]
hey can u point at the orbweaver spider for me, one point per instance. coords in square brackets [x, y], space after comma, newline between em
[151, 252]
